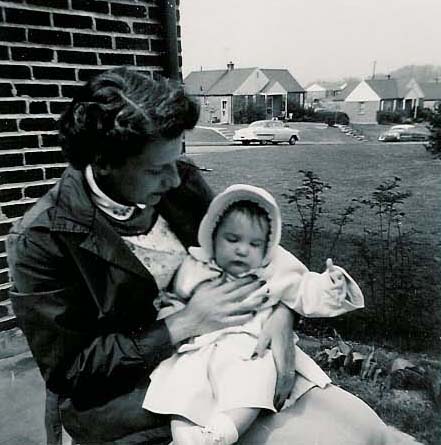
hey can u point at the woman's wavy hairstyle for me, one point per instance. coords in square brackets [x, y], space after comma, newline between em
[119, 111]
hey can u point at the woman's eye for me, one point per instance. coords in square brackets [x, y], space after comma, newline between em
[154, 172]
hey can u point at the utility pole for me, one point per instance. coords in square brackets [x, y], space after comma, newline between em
[373, 69]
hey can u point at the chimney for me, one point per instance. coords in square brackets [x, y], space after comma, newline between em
[230, 66]
[388, 77]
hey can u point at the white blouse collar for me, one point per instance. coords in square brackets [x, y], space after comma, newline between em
[107, 205]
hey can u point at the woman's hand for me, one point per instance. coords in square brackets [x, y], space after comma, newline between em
[216, 305]
[278, 334]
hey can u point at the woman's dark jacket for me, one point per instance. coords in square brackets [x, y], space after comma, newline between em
[84, 302]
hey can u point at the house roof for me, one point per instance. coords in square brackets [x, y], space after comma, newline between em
[386, 88]
[225, 82]
[199, 82]
[431, 90]
[346, 91]
[284, 78]
[231, 81]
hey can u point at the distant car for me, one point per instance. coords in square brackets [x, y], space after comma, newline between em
[267, 132]
[405, 132]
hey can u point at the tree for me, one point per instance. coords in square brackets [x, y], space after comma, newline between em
[434, 145]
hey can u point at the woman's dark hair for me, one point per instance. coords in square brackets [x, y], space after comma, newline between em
[119, 111]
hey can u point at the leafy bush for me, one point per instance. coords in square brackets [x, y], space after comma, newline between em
[391, 267]
[434, 145]
[391, 117]
[246, 112]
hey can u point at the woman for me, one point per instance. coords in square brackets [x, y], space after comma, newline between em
[86, 261]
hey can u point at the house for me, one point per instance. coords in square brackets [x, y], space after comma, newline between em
[368, 97]
[223, 94]
[431, 94]
[319, 93]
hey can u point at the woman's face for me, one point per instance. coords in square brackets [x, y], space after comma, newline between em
[144, 178]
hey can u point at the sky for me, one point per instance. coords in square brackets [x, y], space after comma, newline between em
[313, 39]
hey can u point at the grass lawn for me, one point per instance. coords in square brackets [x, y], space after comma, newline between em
[352, 169]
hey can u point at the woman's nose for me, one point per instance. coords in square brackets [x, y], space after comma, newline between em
[173, 179]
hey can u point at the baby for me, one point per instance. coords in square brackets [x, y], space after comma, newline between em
[213, 386]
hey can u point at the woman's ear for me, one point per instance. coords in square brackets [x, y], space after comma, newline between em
[100, 167]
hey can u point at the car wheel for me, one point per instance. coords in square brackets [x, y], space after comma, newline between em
[245, 142]
[264, 142]
[292, 140]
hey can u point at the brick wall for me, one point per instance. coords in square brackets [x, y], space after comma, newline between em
[45, 53]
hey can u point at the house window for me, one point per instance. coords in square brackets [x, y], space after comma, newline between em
[224, 105]
[361, 108]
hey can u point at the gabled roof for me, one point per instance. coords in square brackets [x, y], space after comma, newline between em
[285, 79]
[225, 82]
[431, 90]
[231, 81]
[346, 91]
[199, 82]
[385, 88]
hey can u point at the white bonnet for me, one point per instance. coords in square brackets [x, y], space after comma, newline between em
[232, 194]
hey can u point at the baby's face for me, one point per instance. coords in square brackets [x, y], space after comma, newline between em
[240, 243]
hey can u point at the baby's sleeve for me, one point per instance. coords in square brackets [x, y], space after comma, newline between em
[309, 293]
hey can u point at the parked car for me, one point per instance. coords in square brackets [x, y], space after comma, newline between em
[404, 132]
[267, 132]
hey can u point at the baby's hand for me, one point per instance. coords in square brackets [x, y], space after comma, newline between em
[340, 286]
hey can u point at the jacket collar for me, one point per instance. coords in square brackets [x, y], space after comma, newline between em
[76, 214]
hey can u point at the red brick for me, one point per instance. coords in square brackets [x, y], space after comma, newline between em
[15, 176]
[119, 9]
[15, 71]
[12, 107]
[36, 191]
[12, 34]
[72, 21]
[148, 28]
[38, 124]
[4, 53]
[147, 60]
[18, 142]
[132, 43]
[15, 210]
[27, 17]
[55, 73]
[112, 26]
[70, 90]
[44, 157]
[117, 59]
[92, 41]
[37, 90]
[38, 107]
[154, 13]
[5, 226]
[157, 45]
[54, 172]
[77, 57]
[11, 194]
[50, 140]
[40, 54]
[62, 4]
[11, 160]
[49, 37]
[58, 107]
[8, 125]
[5, 90]
[91, 5]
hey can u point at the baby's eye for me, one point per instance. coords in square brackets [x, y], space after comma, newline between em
[231, 238]
[257, 243]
